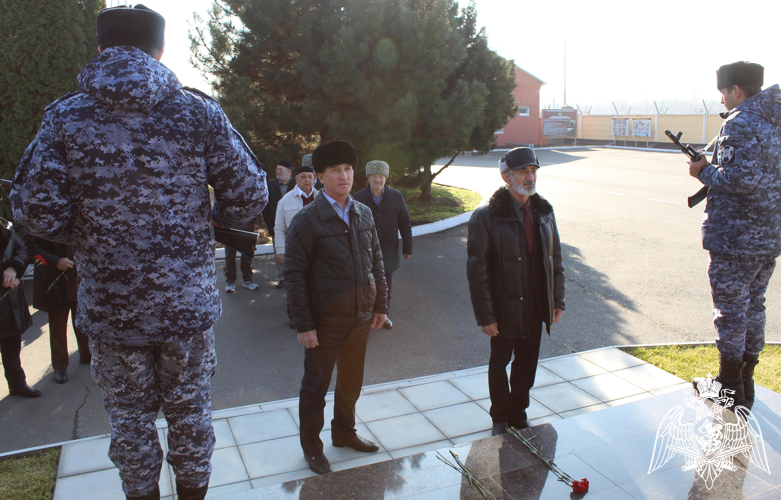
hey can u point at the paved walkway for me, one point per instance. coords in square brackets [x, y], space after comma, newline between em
[258, 445]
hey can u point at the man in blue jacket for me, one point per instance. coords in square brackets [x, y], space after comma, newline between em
[120, 171]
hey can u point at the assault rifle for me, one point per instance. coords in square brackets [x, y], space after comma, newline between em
[693, 155]
[242, 241]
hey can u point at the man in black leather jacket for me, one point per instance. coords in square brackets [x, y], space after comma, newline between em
[336, 290]
[516, 282]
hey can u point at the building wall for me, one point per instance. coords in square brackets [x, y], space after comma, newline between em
[523, 129]
[599, 127]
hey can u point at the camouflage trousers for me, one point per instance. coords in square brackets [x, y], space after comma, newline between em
[738, 290]
[136, 383]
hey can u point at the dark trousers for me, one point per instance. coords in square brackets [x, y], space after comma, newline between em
[389, 280]
[344, 347]
[58, 338]
[509, 403]
[230, 265]
[11, 350]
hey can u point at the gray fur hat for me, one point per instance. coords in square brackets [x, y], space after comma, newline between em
[377, 167]
[306, 161]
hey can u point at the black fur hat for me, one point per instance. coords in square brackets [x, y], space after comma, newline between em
[125, 26]
[741, 73]
[333, 153]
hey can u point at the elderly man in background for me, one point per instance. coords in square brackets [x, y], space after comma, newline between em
[390, 217]
[289, 206]
[277, 188]
[120, 171]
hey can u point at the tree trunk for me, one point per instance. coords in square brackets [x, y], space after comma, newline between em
[425, 191]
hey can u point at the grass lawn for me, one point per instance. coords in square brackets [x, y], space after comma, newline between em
[688, 362]
[445, 202]
[29, 477]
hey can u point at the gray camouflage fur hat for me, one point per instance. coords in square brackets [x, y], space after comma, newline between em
[377, 167]
[306, 161]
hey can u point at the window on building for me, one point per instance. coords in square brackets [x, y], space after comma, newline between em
[500, 131]
[523, 110]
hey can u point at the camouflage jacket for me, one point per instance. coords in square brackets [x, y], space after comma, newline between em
[121, 172]
[742, 218]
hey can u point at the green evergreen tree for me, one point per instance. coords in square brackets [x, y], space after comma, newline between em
[45, 44]
[397, 78]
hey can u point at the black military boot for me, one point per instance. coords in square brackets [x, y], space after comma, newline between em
[749, 363]
[191, 493]
[152, 495]
[730, 376]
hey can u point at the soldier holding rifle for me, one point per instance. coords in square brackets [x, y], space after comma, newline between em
[741, 227]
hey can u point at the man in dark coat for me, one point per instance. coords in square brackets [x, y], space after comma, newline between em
[15, 316]
[337, 293]
[516, 282]
[55, 293]
[120, 171]
[277, 188]
[390, 217]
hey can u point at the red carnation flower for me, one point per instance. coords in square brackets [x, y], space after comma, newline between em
[40, 259]
[580, 486]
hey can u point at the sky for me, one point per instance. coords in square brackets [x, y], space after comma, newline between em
[616, 51]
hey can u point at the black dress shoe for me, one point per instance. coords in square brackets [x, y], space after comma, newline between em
[60, 376]
[319, 464]
[388, 324]
[25, 391]
[355, 442]
[280, 284]
[499, 428]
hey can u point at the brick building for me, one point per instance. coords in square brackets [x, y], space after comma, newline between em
[524, 127]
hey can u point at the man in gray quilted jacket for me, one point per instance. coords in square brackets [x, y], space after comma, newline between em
[120, 171]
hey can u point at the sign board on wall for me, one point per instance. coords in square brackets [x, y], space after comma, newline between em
[559, 122]
[641, 127]
[620, 127]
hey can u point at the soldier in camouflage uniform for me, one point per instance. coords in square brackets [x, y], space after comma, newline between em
[741, 227]
[120, 171]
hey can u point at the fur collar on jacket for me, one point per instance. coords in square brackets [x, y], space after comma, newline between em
[501, 204]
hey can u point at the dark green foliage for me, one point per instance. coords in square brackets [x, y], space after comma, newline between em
[406, 81]
[44, 45]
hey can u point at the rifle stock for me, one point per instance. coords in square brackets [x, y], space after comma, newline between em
[693, 155]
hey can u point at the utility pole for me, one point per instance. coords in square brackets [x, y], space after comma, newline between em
[565, 72]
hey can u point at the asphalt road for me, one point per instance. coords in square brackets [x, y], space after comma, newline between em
[636, 273]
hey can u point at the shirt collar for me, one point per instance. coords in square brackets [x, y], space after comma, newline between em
[303, 194]
[332, 201]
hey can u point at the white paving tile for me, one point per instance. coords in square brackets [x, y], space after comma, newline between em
[572, 367]
[563, 397]
[276, 456]
[586, 409]
[223, 434]
[227, 467]
[278, 405]
[434, 395]
[385, 404]
[474, 386]
[461, 419]
[228, 489]
[630, 399]
[335, 454]
[682, 387]
[263, 426]
[100, 485]
[648, 377]
[235, 412]
[611, 359]
[422, 448]
[84, 456]
[366, 459]
[471, 437]
[545, 420]
[607, 387]
[404, 431]
[537, 410]
[545, 377]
